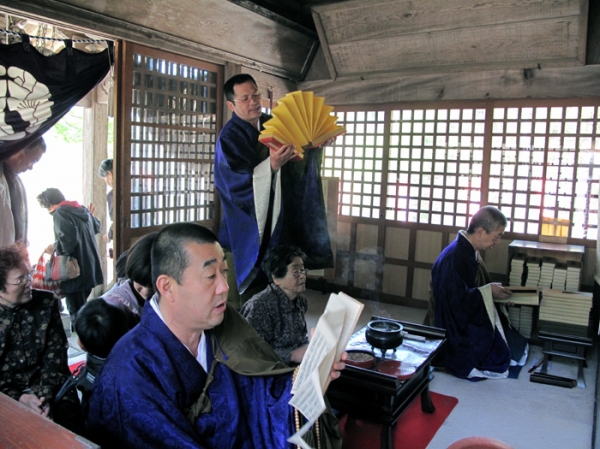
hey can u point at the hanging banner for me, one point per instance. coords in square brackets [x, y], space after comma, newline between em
[36, 91]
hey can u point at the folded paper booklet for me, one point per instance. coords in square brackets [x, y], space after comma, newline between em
[302, 119]
[328, 342]
[522, 296]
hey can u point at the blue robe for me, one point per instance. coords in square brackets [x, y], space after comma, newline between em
[302, 219]
[150, 379]
[472, 340]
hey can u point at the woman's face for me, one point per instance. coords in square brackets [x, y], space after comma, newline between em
[294, 281]
[144, 292]
[17, 289]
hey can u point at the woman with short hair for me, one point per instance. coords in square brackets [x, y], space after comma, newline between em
[278, 312]
[33, 344]
[75, 230]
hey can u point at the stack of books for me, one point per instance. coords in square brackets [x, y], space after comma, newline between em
[521, 318]
[522, 296]
[517, 266]
[521, 314]
[533, 272]
[560, 276]
[568, 307]
[547, 273]
[573, 274]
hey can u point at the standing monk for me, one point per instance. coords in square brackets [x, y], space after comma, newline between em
[266, 200]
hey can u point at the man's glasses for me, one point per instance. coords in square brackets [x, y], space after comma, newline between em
[255, 97]
[22, 280]
[298, 273]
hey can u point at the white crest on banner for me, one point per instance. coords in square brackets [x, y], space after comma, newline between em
[23, 94]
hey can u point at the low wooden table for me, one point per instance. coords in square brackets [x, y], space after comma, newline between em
[567, 341]
[374, 396]
[22, 427]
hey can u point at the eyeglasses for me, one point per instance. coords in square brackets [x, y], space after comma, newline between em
[22, 280]
[298, 273]
[256, 96]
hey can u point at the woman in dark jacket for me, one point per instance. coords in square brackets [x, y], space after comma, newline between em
[33, 344]
[277, 313]
[75, 229]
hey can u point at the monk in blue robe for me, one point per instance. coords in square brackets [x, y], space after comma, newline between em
[480, 342]
[194, 373]
[266, 200]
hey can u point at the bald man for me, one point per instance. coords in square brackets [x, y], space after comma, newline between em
[13, 200]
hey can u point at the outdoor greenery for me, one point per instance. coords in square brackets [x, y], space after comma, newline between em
[70, 127]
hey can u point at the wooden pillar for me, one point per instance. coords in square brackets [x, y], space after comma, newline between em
[95, 141]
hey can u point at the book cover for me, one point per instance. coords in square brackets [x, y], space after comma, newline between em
[524, 296]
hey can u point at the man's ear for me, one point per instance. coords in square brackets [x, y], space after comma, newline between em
[164, 285]
[231, 106]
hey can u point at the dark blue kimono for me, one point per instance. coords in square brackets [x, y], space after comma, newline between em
[473, 340]
[302, 221]
[150, 379]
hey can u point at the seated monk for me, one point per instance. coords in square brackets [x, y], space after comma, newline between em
[194, 373]
[480, 341]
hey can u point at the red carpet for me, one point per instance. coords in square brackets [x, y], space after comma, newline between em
[414, 429]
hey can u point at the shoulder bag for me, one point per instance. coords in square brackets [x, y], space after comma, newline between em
[62, 268]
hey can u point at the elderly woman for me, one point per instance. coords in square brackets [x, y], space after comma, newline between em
[33, 344]
[277, 313]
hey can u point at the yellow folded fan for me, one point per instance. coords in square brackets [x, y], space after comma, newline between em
[302, 119]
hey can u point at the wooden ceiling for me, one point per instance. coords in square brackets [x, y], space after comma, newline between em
[352, 39]
[370, 37]
[297, 11]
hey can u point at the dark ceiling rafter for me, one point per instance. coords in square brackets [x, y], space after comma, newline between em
[58, 13]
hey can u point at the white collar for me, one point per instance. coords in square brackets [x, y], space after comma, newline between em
[201, 358]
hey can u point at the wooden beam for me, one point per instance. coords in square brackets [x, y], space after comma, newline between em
[564, 82]
[238, 36]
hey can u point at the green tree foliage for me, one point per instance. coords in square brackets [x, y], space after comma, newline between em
[70, 127]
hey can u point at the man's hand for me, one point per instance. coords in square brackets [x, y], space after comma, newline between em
[338, 366]
[49, 249]
[282, 156]
[298, 354]
[92, 209]
[329, 142]
[34, 403]
[500, 292]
